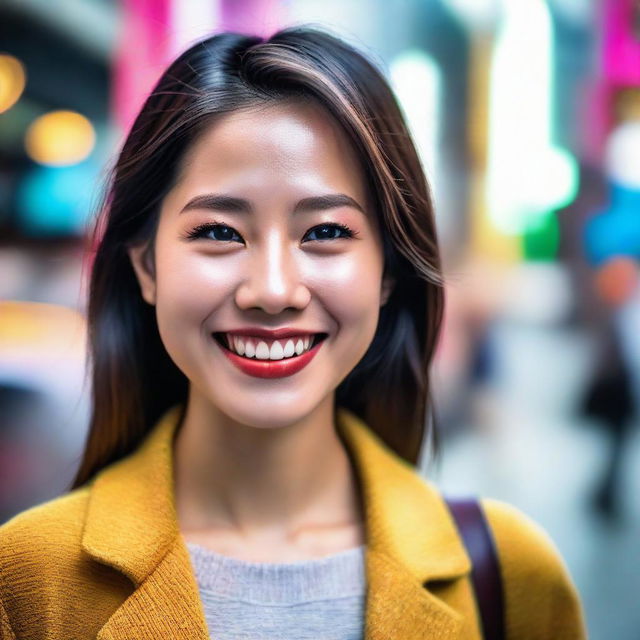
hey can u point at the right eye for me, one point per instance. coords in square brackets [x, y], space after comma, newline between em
[213, 231]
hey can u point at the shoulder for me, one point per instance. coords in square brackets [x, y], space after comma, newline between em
[49, 587]
[40, 551]
[41, 541]
[539, 591]
[519, 538]
[56, 524]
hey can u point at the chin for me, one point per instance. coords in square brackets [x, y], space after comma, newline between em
[267, 412]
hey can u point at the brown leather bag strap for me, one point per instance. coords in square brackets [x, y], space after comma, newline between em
[485, 575]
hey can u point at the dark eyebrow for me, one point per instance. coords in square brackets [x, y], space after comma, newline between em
[219, 202]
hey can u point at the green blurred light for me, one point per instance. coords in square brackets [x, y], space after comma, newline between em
[541, 240]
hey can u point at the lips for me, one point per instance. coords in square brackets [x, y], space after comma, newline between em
[271, 368]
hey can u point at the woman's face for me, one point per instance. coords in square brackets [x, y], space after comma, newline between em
[279, 183]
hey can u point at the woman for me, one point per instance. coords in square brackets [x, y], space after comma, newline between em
[264, 304]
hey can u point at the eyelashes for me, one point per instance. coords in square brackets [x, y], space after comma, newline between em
[223, 232]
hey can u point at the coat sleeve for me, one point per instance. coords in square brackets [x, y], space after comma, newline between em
[541, 600]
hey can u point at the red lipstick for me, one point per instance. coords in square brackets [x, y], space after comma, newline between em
[271, 368]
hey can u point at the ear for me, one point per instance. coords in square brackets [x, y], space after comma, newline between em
[388, 284]
[144, 270]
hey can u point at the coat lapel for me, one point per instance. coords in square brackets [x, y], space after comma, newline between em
[400, 608]
[411, 540]
[166, 605]
[131, 525]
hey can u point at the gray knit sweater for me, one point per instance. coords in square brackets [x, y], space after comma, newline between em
[323, 598]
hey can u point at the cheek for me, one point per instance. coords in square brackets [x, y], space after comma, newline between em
[351, 288]
[189, 288]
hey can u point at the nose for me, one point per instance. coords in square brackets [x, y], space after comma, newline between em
[272, 282]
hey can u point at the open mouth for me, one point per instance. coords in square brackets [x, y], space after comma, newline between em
[221, 339]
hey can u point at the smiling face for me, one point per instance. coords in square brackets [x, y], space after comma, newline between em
[295, 244]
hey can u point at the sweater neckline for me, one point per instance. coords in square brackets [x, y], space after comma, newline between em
[340, 574]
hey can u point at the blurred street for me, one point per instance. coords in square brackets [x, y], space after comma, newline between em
[529, 449]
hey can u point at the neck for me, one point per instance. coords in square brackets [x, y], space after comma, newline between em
[236, 477]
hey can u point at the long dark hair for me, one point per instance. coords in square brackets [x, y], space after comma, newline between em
[134, 379]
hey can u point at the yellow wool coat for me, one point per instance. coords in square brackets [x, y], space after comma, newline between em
[107, 560]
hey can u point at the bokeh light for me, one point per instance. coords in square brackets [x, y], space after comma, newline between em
[60, 138]
[57, 200]
[416, 80]
[616, 280]
[623, 154]
[13, 79]
[528, 175]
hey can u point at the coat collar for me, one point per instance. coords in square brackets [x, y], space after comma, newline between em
[131, 525]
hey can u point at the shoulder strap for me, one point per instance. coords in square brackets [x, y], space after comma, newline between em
[485, 575]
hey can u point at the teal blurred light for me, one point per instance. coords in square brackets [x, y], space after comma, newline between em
[53, 201]
[616, 230]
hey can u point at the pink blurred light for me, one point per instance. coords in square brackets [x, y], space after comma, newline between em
[621, 44]
[146, 43]
[255, 17]
[140, 57]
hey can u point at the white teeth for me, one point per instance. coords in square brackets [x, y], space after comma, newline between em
[259, 349]
[289, 349]
[276, 352]
[249, 349]
[262, 351]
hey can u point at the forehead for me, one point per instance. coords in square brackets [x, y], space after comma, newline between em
[292, 143]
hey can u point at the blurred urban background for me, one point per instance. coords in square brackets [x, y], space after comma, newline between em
[527, 118]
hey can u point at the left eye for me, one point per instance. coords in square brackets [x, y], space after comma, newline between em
[326, 231]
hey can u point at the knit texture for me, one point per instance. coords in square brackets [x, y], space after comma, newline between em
[276, 601]
[107, 560]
